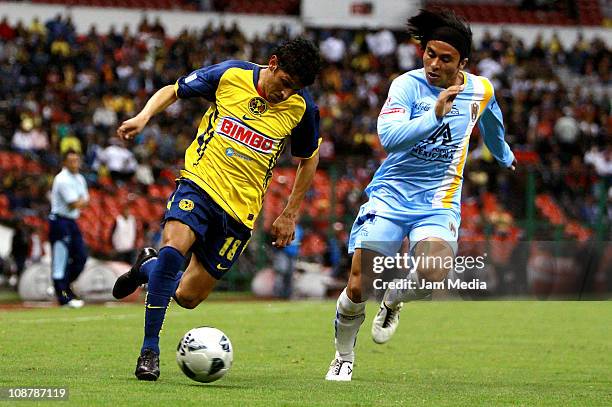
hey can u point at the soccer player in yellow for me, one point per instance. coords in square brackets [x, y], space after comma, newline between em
[255, 111]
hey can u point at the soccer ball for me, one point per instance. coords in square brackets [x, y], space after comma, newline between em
[205, 354]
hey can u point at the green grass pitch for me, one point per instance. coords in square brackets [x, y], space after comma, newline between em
[445, 353]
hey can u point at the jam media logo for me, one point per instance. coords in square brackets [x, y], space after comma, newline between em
[474, 111]
[258, 106]
[237, 131]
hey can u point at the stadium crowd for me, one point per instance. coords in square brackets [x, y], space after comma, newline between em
[61, 90]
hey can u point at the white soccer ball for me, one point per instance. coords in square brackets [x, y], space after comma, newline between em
[205, 354]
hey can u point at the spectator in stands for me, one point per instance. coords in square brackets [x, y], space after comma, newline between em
[123, 236]
[30, 138]
[333, 48]
[119, 160]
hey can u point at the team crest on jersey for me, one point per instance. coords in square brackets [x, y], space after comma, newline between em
[474, 111]
[258, 106]
[186, 204]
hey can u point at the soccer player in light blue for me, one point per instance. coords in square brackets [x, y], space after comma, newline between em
[425, 126]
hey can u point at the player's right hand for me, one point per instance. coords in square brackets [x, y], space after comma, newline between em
[446, 98]
[131, 127]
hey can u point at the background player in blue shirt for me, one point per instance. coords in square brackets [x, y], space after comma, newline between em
[68, 196]
[425, 127]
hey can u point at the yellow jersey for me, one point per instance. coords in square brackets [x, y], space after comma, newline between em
[241, 135]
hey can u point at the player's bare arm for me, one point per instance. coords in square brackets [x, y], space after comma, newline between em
[79, 203]
[157, 103]
[283, 228]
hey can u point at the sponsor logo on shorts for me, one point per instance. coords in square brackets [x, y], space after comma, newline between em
[186, 204]
[237, 131]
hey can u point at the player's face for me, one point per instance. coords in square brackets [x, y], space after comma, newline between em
[279, 85]
[73, 163]
[442, 64]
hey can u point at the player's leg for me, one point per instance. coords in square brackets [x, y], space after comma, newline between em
[433, 240]
[195, 285]
[177, 239]
[59, 237]
[370, 236]
[78, 258]
[212, 257]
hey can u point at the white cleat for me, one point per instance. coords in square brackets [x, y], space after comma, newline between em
[385, 323]
[74, 303]
[340, 370]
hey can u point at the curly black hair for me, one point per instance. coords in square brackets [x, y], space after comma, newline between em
[300, 58]
[425, 24]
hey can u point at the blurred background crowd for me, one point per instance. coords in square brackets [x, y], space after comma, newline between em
[61, 90]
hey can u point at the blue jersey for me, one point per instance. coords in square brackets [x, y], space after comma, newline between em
[426, 155]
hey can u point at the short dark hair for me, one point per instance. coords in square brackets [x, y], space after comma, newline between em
[68, 152]
[300, 58]
[427, 23]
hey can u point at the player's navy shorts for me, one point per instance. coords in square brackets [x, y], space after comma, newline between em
[220, 239]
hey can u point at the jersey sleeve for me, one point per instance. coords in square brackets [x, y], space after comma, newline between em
[203, 82]
[491, 125]
[305, 138]
[396, 130]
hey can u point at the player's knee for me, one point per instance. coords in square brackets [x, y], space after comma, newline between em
[354, 292]
[435, 259]
[188, 301]
[434, 274]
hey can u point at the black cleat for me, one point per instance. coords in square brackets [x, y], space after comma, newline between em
[128, 282]
[147, 367]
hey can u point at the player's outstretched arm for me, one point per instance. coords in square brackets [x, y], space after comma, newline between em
[491, 126]
[157, 103]
[283, 228]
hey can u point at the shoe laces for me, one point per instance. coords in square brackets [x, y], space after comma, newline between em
[392, 314]
[337, 363]
[149, 358]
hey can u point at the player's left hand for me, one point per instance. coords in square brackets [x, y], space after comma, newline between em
[283, 230]
[513, 165]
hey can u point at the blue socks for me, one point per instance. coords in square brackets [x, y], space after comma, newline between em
[163, 276]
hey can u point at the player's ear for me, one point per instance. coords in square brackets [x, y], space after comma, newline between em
[273, 63]
[463, 63]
